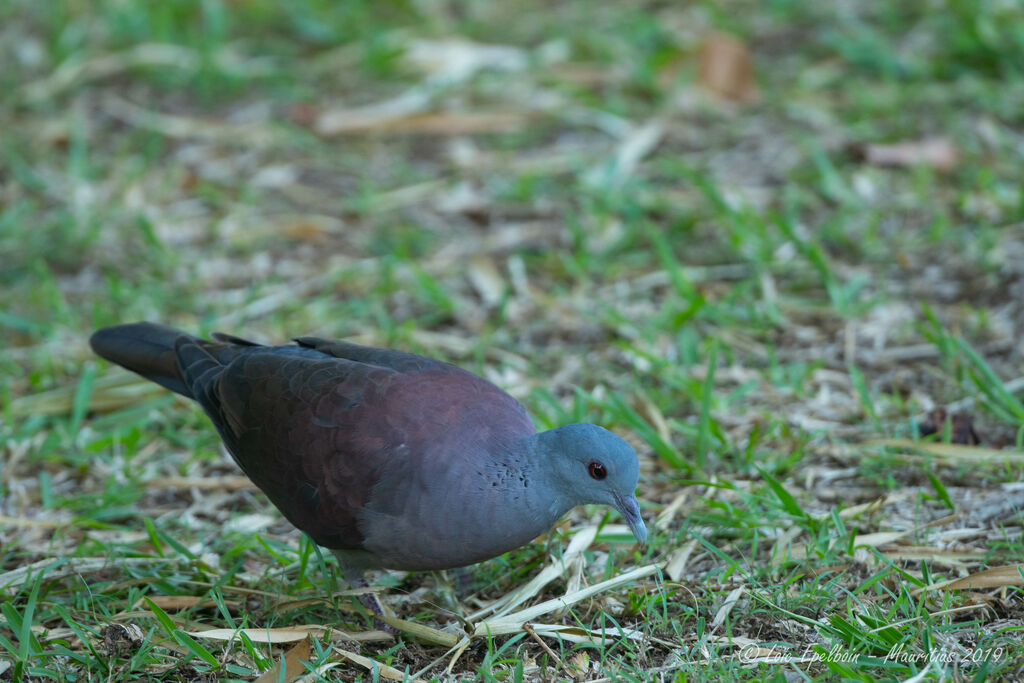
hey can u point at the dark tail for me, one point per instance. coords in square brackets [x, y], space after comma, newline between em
[146, 349]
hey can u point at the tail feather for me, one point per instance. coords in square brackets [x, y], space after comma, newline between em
[198, 368]
[146, 349]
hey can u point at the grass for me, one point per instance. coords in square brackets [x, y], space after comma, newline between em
[767, 316]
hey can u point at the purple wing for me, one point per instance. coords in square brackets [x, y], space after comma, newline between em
[316, 425]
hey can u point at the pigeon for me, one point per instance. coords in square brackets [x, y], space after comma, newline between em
[389, 459]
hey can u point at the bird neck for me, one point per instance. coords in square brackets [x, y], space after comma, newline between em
[545, 497]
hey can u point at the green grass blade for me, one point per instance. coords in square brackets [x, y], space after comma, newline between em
[621, 412]
[704, 423]
[940, 491]
[990, 384]
[857, 377]
[80, 404]
[789, 503]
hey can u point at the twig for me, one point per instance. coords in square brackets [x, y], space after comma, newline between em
[544, 646]
[185, 127]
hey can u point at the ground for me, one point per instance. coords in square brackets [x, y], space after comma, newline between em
[777, 246]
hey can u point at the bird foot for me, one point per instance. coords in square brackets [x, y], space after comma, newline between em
[373, 605]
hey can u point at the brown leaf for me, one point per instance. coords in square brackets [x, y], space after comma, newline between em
[961, 426]
[305, 230]
[996, 577]
[939, 153]
[349, 122]
[179, 602]
[949, 452]
[303, 114]
[293, 667]
[725, 67]
[578, 665]
[946, 556]
[225, 483]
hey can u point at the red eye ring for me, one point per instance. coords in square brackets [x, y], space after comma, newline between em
[597, 470]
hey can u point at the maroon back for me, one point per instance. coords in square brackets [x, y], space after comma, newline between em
[315, 425]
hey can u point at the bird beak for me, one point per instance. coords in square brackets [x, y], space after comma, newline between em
[629, 508]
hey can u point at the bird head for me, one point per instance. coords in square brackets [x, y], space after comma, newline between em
[592, 465]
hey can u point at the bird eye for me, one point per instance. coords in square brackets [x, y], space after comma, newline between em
[597, 470]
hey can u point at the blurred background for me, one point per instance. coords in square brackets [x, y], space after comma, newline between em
[528, 181]
[748, 236]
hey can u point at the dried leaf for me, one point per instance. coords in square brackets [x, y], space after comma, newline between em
[667, 515]
[578, 665]
[635, 144]
[996, 577]
[730, 602]
[115, 390]
[61, 568]
[226, 483]
[447, 63]
[421, 632]
[874, 540]
[6, 521]
[486, 280]
[580, 634]
[954, 452]
[678, 559]
[179, 602]
[855, 510]
[939, 153]
[581, 540]
[512, 623]
[253, 523]
[306, 230]
[75, 71]
[725, 67]
[359, 121]
[457, 59]
[945, 556]
[292, 634]
[293, 664]
[375, 667]
[879, 538]
[653, 414]
[262, 635]
[185, 127]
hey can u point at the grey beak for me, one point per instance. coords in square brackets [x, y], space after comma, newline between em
[629, 508]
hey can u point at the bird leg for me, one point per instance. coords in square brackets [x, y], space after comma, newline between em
[452, 585]
[372, 603]
[369, 601]
[463, 580]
